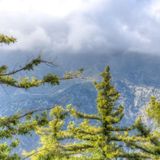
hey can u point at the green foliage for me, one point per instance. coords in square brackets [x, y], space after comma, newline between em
[5, 152]
[15, 125]
[7, 77]
[71, 75]
[26, 82]
[153, 110]
[23, 124]
[103, 139]
[52, 79]
[6, 39]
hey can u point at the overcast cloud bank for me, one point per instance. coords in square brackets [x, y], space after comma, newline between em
[75, 26]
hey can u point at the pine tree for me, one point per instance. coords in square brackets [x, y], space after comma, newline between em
[108, 139]
[94, 136]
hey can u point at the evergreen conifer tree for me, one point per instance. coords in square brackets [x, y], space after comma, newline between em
[93, 136]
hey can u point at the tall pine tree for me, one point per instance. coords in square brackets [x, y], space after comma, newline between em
[93, 136]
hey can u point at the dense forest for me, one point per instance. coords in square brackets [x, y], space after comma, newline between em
[65, 133]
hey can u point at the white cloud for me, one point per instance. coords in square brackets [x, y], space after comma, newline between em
[56, 8]
[154, 9]
[78, 25]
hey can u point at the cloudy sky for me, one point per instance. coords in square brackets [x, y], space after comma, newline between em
[75, 26]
